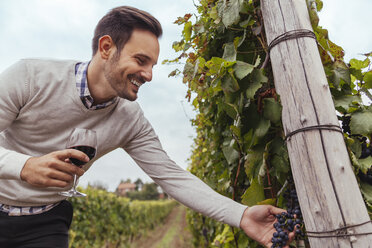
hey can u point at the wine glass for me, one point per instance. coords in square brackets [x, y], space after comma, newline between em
[84, 140]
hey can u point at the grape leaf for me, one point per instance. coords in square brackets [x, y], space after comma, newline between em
[272, 110]
[263, 128]
[225, 237]
[367, 191]
[340, 72]
[254, 160]
[365, 164]
[270, 201]
[187, 31]
[229, 11]
[259, 76]
[344, 102]
[213, 13]
[229, 152]
[336, 51]
[238, 41]
[252, 88]
[230, 109]
[359, 64]
[368, 80]
[229, 83]
[319, 5]
[242, 69]
[214, 64]
[355, 146]
[229, 52]
[361, 122]
[254, 194]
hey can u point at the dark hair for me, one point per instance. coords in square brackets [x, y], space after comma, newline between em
[119, 24]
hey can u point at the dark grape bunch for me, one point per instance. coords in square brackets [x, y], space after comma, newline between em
[288, 221]
[346, 124]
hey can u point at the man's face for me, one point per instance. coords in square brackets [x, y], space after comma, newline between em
[126, 72]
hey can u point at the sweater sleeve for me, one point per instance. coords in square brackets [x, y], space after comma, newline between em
[180, 184]
[14, 92]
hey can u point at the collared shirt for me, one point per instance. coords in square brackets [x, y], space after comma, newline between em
[82, 87]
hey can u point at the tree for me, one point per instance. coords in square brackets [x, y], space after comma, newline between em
[139, 184]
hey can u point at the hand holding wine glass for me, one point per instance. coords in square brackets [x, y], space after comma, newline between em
[53, 169]
[84, 140]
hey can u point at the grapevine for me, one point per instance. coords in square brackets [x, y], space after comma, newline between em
[240, 149]
[102, 219]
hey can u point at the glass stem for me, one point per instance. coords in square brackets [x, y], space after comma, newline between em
[74, 185]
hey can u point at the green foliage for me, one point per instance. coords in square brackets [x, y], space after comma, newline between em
[102, 219]
[240, 149]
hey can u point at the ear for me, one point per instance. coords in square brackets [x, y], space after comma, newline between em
[106, 46]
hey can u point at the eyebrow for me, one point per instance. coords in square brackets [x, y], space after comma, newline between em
[146, 57]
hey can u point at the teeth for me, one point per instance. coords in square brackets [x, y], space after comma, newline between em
[135, 83]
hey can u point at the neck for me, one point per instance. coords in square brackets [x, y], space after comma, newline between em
[99, 88]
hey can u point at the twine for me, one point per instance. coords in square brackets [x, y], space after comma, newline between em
[339, 232]
[293, 34]
[316, 127]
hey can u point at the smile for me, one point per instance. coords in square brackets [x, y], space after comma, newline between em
[135, 83]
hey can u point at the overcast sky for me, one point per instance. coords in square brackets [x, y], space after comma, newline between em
[63, 29]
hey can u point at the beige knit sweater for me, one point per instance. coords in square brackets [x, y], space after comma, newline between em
[39, 107]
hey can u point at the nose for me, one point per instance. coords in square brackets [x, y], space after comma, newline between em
[147, 74]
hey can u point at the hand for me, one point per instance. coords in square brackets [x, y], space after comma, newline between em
[257, 222]
[53, 169]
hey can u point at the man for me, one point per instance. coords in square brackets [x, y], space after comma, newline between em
[41, 101]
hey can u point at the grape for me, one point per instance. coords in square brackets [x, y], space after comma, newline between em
[288, 221]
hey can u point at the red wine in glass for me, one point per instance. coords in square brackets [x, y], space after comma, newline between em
[84, 140]
[88, 150]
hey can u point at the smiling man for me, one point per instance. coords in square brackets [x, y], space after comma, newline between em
[121, 73]
[41, 101]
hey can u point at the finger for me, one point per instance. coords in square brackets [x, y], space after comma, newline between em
[291, 236]
[274, 210]
[49, 182]
[54, 183]
[61, 176]
[68, 168]
[72, 153]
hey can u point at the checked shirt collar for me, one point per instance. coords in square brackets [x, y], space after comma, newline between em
[82, 87]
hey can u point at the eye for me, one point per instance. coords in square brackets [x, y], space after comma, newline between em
[140, 61]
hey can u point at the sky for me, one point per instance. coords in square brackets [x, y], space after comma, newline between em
[63, 29]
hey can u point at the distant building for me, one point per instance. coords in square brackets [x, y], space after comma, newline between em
[123, 188]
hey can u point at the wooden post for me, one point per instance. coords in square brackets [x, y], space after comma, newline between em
[328, 192]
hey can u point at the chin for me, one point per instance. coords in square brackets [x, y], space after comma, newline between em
[129, 98]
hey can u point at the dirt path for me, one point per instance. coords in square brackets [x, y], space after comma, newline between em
[172, 234]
